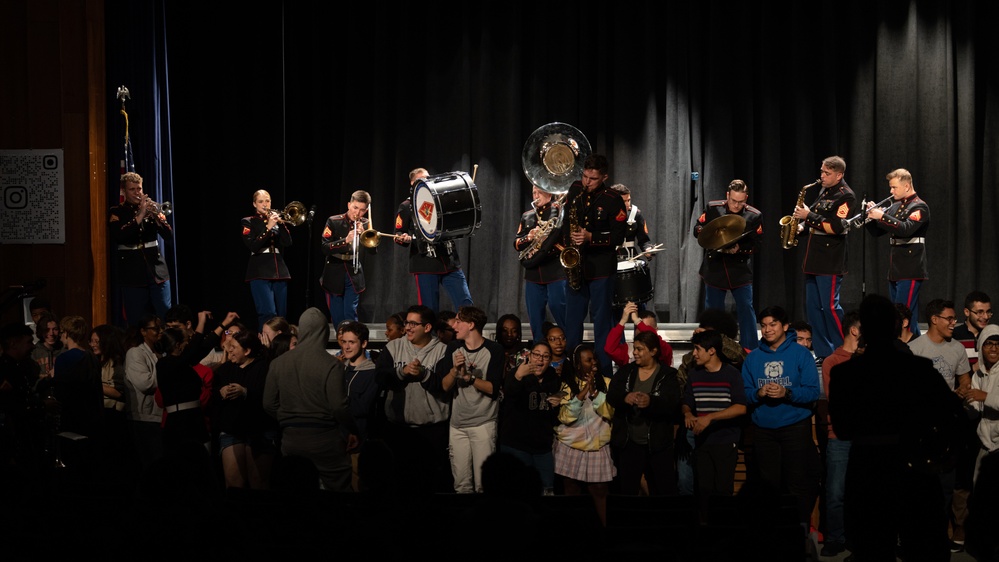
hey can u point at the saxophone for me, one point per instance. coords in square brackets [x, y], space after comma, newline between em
[571, 258]
[789, 224]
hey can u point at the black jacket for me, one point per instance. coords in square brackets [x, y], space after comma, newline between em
[663, 410]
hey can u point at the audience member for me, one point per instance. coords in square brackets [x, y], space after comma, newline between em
[713, 408]
[178, 392]
[837, 451]
[893, 490]
[645, 396]
[530, 412]
[782, 385]
[582, 446]
[144, 415]
[49, 345]
[307, 394]
[416, 412]
[248, 437]
[471, 375]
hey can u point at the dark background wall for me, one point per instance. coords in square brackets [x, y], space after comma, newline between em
[311, 103]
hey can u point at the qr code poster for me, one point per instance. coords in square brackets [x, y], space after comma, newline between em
[33, 204]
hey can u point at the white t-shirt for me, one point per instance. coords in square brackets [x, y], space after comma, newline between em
[949, 357]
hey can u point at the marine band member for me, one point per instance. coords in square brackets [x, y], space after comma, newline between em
[266, 236]
[544, 276]
[433, 265]
[731, 268]
[598, 231]
[342, 283]
[907, 220]
[825, 255]
[143, 276]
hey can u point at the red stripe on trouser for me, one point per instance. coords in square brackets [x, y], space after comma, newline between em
[908, 300]
[419, 298]
[832, 303]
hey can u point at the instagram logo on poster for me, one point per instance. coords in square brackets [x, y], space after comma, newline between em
[15, 197]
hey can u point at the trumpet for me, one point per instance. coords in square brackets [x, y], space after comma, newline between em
[294, 213]
[861, 218]
[155, 208]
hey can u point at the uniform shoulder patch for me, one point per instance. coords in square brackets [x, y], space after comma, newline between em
[759, 229]
[246, 230]
[327, 232]
[398, 222]
[702, 218]
[843, 210]
[621, 216]
[916, 215]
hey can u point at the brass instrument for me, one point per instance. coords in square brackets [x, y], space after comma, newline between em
[370, 238]
[293, 214]
[553, 159]
[571, 258]
[157, 208]
[861, 218]
[545, 228]
[789, 224]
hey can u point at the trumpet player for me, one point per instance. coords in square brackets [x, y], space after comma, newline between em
[906, 220]
[825, 255]
[143, 278]
[343, 274]
[266, 236]
[544, 276]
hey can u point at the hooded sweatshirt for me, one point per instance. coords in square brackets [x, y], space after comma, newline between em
[988, 427]
[305, 386]
[791, 365]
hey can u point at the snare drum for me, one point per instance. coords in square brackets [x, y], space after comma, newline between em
[632, 283]
[446, 206]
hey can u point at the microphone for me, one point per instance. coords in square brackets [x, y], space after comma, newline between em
[312, 212]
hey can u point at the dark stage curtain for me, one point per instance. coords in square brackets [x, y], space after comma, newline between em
[312, 102]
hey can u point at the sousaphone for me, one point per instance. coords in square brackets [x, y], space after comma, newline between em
[553, 157]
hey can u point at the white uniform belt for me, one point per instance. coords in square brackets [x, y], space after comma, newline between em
[630, 244]
[150, 244]
[818, 232]
[905, 241]
[269, 250]
[182, 406]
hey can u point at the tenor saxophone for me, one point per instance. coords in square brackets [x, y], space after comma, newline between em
[571, 257]
[789, 224]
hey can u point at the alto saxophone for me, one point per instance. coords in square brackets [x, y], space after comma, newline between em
[571, 258]
[789, 224]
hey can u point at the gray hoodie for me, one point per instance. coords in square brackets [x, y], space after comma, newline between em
[988, 427]
[305, 386]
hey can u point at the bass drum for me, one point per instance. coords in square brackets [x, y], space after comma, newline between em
[446, 206]
[632, 283]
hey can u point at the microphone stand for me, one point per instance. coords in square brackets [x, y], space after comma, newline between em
[308, 258]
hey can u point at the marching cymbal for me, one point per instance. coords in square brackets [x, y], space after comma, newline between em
[721, 232]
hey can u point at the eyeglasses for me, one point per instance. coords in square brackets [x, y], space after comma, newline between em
[231, 332]
[411, 324]
[987, 313]
[556, 338]
[543, 356]
[990, 344]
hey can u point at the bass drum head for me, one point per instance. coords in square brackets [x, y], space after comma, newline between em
[446, 207]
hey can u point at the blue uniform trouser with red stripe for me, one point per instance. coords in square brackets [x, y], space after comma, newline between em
[906, 291]
[824, 312]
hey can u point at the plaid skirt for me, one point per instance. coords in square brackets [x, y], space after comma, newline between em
[585, 466]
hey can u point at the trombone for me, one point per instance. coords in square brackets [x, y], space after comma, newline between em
[369, 238]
